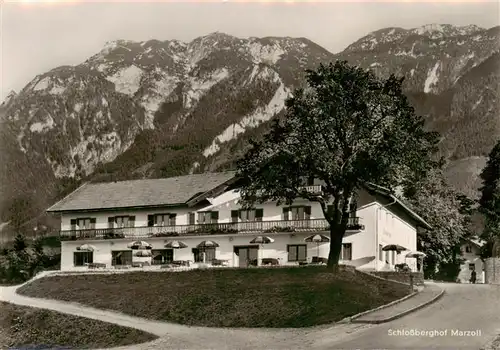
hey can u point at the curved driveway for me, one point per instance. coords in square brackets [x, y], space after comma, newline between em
[463, 307]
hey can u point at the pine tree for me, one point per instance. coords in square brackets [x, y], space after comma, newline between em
[490, 199]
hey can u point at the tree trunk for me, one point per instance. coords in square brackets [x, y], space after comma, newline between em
[337, 230]
[335, 247]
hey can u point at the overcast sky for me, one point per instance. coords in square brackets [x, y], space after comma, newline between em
[36, 37]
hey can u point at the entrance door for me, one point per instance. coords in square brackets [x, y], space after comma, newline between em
[247, 255]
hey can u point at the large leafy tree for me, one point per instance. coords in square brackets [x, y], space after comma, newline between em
[489, 201]
[345, 128]
[448, 212]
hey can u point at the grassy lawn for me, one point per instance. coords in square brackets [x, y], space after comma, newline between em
[25, 327]
[281, 297]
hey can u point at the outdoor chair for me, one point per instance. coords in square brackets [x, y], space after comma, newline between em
[402, 267]
[253, 262]
[217, 262]
[319, 260]
[270, 261]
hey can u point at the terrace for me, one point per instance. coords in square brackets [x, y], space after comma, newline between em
[250, 227]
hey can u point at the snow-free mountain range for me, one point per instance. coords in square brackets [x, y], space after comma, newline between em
[159, 108]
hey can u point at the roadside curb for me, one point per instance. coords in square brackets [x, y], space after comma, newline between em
[404, 313]
[351, 318]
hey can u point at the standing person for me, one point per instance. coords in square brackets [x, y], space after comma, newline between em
[473, 276]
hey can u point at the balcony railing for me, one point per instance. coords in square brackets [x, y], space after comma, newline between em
[313, 225]
[311, 189]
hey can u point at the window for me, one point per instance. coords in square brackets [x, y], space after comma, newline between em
[162, 256]
[472, 267]
[247, 215]
[380, 253]
[121, 221]
[209, 254]
[121, 257]
[346, 251]
[192, 218]
[310, 181]
[208, 217]
[82, 258]
[167, 219]
[83, 223]
[468, 249]
[297, 252]
[297, 213]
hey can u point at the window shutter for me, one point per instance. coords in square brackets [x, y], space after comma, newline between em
[330, 209]
[285, 214]
[234, 215]
[307, 211]
[301, 252]
[192, 218]
[310, 181]
[214, 215]
[172, 219]
[259, 214]
[131, 221]
[151, 220]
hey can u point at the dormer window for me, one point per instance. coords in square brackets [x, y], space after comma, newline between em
[468, 249]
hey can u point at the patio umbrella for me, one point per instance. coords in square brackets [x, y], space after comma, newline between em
[175, 245]
[86, 248]
[394, 247]
[139, 245]
[262, 240]
[416, 255]
[317, 239]
[207, 244]
[420, 257]
[143, 253]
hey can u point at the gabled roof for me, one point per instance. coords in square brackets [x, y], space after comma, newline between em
[387, 193]
[173, 191]
[476, 241]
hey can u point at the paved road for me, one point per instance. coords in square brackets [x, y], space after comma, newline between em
[463, 307]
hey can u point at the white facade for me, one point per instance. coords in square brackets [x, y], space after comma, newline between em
[471, 255]
[382, 226]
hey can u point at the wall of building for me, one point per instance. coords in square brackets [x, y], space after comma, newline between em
[225, 251]
[392, 229]
[473, 258]
[492, 270]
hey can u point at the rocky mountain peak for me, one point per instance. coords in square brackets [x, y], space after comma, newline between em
[437, 31]
[168, 107]
[10, 96]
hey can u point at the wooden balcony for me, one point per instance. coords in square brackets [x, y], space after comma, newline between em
[255, 227]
